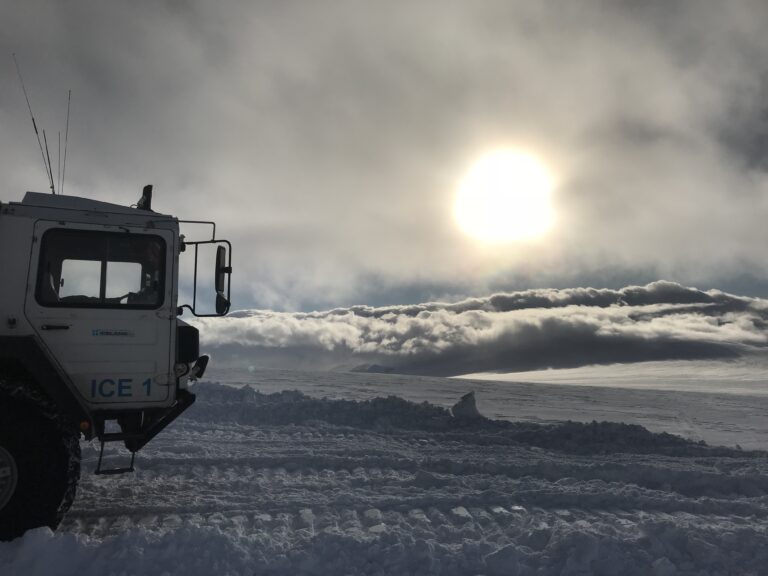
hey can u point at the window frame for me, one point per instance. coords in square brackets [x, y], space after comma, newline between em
[43, 273]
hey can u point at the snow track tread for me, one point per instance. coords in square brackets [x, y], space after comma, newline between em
[317, 498]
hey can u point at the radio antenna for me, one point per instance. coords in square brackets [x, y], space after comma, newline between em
[66, 140]
[34, 124]
[58, 174]
[50, 172]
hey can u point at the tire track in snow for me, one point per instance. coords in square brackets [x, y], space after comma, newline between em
[317, 498]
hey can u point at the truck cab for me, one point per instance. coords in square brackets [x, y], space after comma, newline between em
[90, 327]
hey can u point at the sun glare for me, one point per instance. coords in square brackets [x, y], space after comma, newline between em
[504, 197]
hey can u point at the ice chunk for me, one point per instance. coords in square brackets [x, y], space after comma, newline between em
[466, 407]
[462, 514]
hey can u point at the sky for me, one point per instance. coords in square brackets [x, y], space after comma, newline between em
[327, 139]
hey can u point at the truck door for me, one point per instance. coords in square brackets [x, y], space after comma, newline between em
[101, 298]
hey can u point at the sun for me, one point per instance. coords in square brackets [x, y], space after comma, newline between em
[505, 197]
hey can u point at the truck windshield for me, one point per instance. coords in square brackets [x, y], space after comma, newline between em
[80, 268]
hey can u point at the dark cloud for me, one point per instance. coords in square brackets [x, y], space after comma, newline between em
[745, 130]
[520, 331]
[660, 292]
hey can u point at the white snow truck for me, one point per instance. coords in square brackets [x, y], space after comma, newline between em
[91, 343]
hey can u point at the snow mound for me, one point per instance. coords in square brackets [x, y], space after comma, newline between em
[245, 405]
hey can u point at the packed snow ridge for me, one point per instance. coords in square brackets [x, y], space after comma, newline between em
[252, 483]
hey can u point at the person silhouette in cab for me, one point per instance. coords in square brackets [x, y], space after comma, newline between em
[151, 261]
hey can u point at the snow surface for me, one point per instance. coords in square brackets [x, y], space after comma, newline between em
[287, 483]
[745, 376]
[725, 414]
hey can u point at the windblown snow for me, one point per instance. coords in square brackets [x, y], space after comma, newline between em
[285, 483]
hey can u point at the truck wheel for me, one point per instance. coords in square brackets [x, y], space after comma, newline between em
[39, 470]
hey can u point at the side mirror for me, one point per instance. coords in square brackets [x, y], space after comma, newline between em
[222, 269]
[222, 304]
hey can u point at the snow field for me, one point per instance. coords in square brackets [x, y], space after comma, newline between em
[248, 483]
[716, 413]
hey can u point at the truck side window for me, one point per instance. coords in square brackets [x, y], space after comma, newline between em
[82, 277]
[123, 278]
[81, 268]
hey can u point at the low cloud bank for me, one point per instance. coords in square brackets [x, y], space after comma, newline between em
[527, 330]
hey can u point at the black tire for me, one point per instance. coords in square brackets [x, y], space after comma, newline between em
[47, 465]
